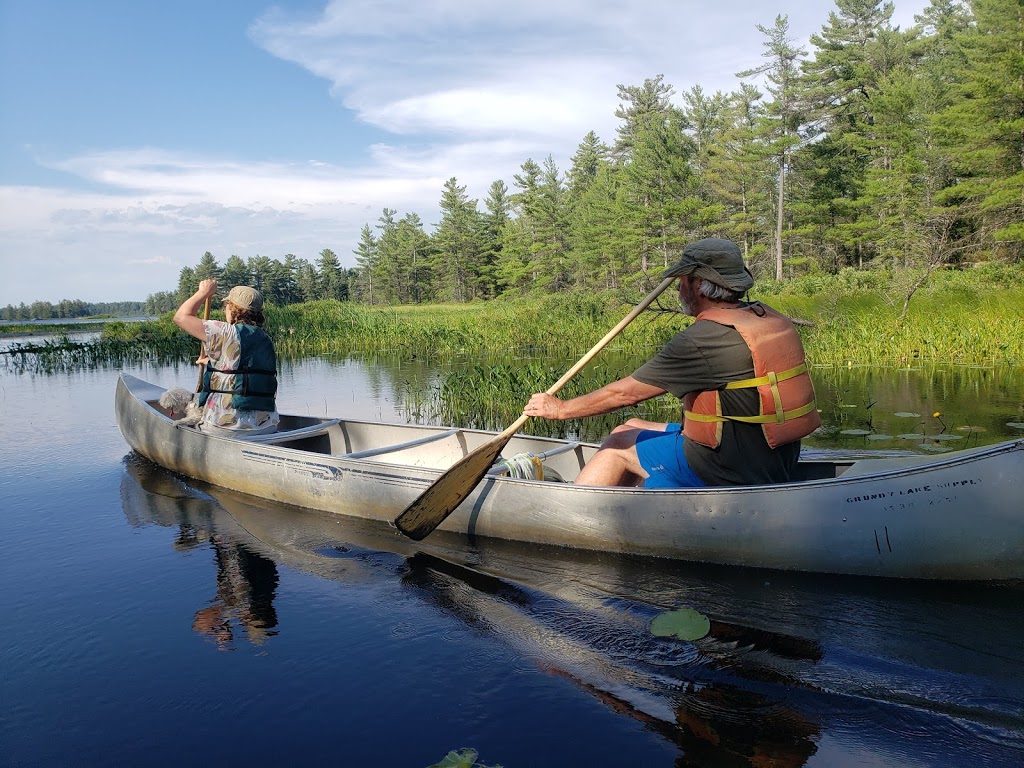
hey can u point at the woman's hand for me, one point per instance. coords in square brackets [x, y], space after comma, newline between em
[207, 288]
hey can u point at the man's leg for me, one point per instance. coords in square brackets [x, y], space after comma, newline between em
[616, 463]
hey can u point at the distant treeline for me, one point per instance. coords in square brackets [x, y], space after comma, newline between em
[72, 308]
[291, 281]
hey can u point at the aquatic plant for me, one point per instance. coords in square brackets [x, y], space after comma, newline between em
[464, 758]
[64, 354]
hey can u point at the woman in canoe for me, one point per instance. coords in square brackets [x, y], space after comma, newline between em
[240, 381]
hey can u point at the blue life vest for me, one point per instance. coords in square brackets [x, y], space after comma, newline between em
[255, 379]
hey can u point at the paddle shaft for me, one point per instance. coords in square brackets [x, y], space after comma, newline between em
[202, 346]
[446, 493]
[554, 388]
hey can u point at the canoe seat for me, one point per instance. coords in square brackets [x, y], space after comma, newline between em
[288, 435]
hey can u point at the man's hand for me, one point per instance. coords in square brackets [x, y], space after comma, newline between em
[544, 406]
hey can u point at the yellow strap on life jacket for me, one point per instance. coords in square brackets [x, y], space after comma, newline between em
[771, 379]
[767, 419]
[767, 378]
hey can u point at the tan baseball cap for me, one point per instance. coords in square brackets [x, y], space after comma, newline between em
[244, 297]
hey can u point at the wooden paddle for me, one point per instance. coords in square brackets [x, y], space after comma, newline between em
[202, 346]
[451, 489]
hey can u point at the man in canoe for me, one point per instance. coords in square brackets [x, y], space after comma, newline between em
[237, 390]
[739, 370]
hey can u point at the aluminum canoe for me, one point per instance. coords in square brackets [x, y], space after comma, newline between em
[957, 516]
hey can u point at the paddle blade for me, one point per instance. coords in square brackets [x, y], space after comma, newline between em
[449, 490]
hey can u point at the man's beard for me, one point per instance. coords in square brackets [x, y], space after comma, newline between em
[686, 299]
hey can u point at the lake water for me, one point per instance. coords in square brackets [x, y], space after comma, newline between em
[151, 620]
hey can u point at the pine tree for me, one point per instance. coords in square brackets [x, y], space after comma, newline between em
[456, 242]
[740, 174]
[366, 262]
[591, 155]
[306, 282]
[639, 104]
[986, 126]
[188, 284]
[414, 249]
[657, 199]
[330, 279]
[389, 272]
[854, 52]
[782, 117]
[235, 272]
[260, 272]
[493, 226]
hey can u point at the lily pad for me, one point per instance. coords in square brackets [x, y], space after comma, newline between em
[684, 623]
[1015, 425]
[967, 428]
[855, 432]
[879, 437]
[947, 437]
[911, 436]
[907, 415]
[464, 758]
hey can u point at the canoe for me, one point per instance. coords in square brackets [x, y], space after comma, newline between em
[956, 516]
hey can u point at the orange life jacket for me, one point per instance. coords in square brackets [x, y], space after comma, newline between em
[788, 411]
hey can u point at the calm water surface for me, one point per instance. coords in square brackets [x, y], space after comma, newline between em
[150, 620]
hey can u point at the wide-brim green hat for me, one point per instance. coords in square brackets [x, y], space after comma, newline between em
[716, 260]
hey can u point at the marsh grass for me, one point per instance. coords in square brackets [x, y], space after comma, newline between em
[853, 318]
[120, 343]
[492, 396]
[65, 354]
[440, 331]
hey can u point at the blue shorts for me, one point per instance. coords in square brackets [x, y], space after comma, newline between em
[661, 456]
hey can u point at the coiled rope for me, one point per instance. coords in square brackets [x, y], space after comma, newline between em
[522, 466]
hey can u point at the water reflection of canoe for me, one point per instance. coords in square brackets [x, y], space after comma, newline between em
[788, 665]
[956, 516]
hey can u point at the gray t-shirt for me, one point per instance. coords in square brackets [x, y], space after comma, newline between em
[708, 356]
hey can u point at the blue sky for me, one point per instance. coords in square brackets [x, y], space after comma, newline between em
[134, 136]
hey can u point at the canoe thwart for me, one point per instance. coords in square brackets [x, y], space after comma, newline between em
[287, 435]
[400, 446]
[282, 436]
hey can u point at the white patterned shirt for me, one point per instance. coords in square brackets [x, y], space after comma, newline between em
[225, 352]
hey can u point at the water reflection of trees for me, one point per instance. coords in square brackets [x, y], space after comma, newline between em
[965, 396]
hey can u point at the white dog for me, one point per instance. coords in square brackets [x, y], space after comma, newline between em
[178, 400]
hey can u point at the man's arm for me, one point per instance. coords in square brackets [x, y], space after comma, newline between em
[611, 397]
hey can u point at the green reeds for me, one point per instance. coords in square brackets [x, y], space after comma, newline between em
[963, 317]
[64, 354]
[852, 318]
[492, 396]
